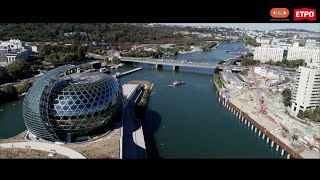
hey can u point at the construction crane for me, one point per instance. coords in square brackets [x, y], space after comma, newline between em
[260, 99]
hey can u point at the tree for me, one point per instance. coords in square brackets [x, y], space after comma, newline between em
[300, 114]
[23, 86]
[270, 62]
[245, 72]
[81, 52]
[10, 92]
[18, 69]
[286, 94]
[10, 89]
[115, 60]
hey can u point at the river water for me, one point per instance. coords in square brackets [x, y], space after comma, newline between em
[181, 122]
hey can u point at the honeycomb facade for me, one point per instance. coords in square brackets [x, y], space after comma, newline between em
[75, 104]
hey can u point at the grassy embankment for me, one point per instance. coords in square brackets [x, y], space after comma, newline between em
[142, 105]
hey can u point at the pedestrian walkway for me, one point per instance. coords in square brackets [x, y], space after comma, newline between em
[53, 148]
[133, 139]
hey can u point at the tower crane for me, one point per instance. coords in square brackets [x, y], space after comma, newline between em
[260, 99]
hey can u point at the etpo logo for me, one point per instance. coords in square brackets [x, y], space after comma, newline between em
[305, 14]
[279, 12]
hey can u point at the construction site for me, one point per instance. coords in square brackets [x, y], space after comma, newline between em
[262, 102]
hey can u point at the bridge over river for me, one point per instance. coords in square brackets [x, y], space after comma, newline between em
[174, 63]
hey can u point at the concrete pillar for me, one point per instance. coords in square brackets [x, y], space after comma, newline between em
[268, 139]
[159, 66]
[245, 121]
[288, 156]
[263, 135]
[175, 68]
[259, 133]
[282, 152]
[272, 143]
[277, 147]
[255, 130]
[251, 126]
[219, 99]
[248, 123]
[242, 118]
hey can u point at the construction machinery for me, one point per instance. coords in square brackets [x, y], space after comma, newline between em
[262, 109]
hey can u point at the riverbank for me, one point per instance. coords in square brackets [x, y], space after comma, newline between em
[147, 87]
[198, 49]
[248, 113]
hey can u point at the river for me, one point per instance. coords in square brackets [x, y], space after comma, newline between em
[181, 122]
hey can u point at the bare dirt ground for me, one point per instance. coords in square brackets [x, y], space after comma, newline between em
[17, 153]
[104, 148]
[18, 138]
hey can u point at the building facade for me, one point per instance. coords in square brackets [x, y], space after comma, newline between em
[311, 43]
[64, 105]
[3, 57]
[12, 50]
[306, 93]
[307, 54]
[265, 54]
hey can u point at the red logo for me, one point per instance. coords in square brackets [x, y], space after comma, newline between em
[305, 14]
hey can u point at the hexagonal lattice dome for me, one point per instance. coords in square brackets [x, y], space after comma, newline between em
[76, 104]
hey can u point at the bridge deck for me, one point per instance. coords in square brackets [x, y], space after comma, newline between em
[171, 62]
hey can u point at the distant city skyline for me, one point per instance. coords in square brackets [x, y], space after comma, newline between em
[259, 26]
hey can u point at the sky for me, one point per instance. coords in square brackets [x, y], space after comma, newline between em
[260, 26]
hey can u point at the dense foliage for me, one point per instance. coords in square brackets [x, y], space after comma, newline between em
[19, 69]
[111, 33]
[8, 93]
[286, 94]
[287, 63]
[62, 53]
[218, 80]
[252, 42]
[23, 86]
[245, 72]
[313, 115]
[249, 62]
[207, 46]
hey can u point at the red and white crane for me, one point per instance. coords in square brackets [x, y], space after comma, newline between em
[259, 98]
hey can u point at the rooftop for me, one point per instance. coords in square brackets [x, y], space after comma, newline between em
[84, 78]
[128, 89]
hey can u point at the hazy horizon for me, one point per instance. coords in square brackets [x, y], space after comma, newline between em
[259, 26]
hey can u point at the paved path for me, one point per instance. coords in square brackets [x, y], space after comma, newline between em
[45, 147]
[133, 139]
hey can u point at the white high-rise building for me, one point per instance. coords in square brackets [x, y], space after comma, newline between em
[311, 43]
[263, 40]
[265, 54]
[306, 93]
[295, 44]
[307, 54]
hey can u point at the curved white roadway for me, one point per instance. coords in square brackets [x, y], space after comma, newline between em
[72, 154]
